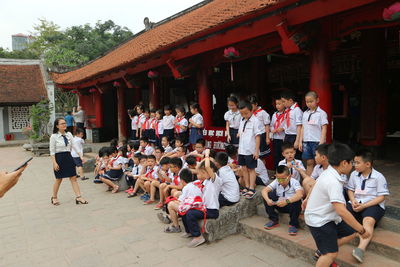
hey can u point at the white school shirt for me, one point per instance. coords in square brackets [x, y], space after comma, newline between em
[233, 118]
[168, 122]
[159, 125]
[198, 119]
[117, 161]
[151, 123]
[190, 190]
[295, 117]
[262, 172]
[288, 191]
[375, 185]
[211, 192]
[263, 117]
[125, 161]
[135, 122]
[168, 149]
[327, 190]
[57, 143]
[148, 150]
[318, 169]
[142, 119]
[181, 122]
[295, 174]
[77, 147]
[312, 124]
[230, 186]
[280, 135]
[172, 177]
[79, 117]
[247, 140]
[152, 173]
[136, 170]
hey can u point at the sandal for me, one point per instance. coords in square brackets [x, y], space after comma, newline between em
[244, 191]
[54, 201]
[115, 190]
[250, 194]
[78, 200]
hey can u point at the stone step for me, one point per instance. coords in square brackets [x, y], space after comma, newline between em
[303, 245]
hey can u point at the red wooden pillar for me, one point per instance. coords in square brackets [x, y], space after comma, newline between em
[98, 102]
[205, 97]
[122, 113]
[320, 78]
[153, 94]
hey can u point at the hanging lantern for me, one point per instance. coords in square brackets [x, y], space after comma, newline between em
[92, 90]
[74, 91]
[392, 13]
[152, 74]
[231, 53]
[116, 84]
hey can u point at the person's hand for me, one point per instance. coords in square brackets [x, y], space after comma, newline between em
[256, 155]
[354, 204]
[207, 152]
[304, 204]
[83, 160]
[228, 138]
[366, 234]
[270, 202]
[296, 145]
[8, 180]
[55, 166]
[281, 204]
[359, 208]
[273, 131]
[301, 146]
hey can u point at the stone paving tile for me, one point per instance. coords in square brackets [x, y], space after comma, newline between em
[111, 231]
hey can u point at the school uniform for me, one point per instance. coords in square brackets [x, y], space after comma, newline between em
[295, 174]
[312, 130]
[194, 132]
[262, 173]
[318, 169]
[130, 179]
[151, 173]
[248, 131]
[280, 193]
[366, 189]
[152, 130]
[134, 127]
[293, 118]
[211, 191]
[168, 149]
[234, 122]
[60, 147]
[192, 189]
[175, 179]
[277, 121]
[114, 175]
[264, 119]
[141, 119]
[148, 150]
[325, 224]
[230, 192]
[183, 134]
[146, 128]
[77, 149]
[158, 131]
[168, 124]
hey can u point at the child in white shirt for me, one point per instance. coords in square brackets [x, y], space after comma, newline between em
[265, 120]
[181, 124]
[232, 118]
[277, 130]
[289, 153]
[77, 152]
[293, 119]
[168, 122]
[196, 124]
[230, 193]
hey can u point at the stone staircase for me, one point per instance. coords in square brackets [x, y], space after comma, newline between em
[384, 249]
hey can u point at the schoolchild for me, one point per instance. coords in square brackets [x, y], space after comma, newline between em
[265, 121]
[293, 119]
[232, 118]
[181, 124]
[196, 124]
[277, 130]
[168, 122]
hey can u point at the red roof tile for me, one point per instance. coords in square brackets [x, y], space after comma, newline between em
[21, 84]
[183, 27]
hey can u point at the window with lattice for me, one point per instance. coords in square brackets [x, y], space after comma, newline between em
[18, 118]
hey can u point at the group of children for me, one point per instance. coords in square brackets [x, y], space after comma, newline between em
[193, 182]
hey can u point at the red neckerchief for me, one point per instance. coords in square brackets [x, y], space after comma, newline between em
[257, 111]
[145, 125]
[177, 126]
[199, 184]
[128, 154]
[287, 113]
[150, 173]
[151, 122]
[279, 119]
[156, 127]
[114, 160]
[176, 182]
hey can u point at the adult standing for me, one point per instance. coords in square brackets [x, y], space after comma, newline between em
[79, 117]
[70, 122]
[63, 163]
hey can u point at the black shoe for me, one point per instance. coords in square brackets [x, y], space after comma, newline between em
[84, 178]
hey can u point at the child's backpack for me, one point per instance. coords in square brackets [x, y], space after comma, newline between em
[195, 203]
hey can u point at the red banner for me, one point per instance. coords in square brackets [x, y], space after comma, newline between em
[215, 138]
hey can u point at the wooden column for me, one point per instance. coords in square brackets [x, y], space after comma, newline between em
[98, 102]
[122, 113]
[153, 94]
[205, 97]
[320, 78]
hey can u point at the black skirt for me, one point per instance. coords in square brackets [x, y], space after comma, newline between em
[66, 164]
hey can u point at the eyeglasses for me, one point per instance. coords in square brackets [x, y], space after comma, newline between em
[282, 179]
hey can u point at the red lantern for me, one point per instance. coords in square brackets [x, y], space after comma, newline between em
[392, 13]
[152, 74]
[74, 91]
[231, 53]
[92, 90]
[116, 84]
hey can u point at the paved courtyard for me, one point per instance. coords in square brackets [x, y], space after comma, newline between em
[111, 231]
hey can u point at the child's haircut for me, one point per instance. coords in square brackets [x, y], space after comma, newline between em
[131, 112]
[146, 110]
[186, 175]
[287, 145]
[176, 162]
[231, 150]
[201, 141]
[366, 155]
[161, 112]
[69, 112]
[288, 94]
[213, 153]
[159, 148]
[282, 169]
[138, 156]
[233, 99]
[114, 142]
[136, 146]
[180, 139]
[113, 149]
[166, 137]
[245, 104]
[143, 157]
[168, 107]
[78, 131]
[253, 99]
[312, 94]
[222, 158]
[323, 149]
[181, 109]
[104, 151]
[131, 144]
[191, 160]
[144, 139]
[124, 150]
[338, 152]
[196, 106]
[165, 160]
[139, 106]
[212, 165]
[153, 110]
[151, 157]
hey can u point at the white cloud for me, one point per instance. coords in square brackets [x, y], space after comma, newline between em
[19, 16]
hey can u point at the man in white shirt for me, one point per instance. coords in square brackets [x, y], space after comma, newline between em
[326, 207]
[79, 118]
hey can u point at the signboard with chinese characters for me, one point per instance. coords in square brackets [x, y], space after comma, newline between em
[215, 138]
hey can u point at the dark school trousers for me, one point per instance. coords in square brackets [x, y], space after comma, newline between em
[293, 209]
[190, 220]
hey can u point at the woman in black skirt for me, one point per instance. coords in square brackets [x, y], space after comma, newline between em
[63, 163]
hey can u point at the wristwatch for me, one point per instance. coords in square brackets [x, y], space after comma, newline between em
[287, 201]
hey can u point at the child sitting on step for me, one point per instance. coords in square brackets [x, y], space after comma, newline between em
[284, 195]
[288, 152]
[113, 170]
[230, 193]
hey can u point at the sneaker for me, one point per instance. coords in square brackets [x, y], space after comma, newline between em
[358, 254]
[186, 235]
[292, 230]
[148, 202]
[97, 181]
[196, 242]
[271, 225]
[159, 206]
[132, 195]
[317, 255]
[172, 229]
[84, 178]
[129, 190]
[164, 218]
[146, 198]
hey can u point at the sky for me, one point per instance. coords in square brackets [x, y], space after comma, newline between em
[19, 16]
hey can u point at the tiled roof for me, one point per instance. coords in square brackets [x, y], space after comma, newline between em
[21, 84]
[177, 29]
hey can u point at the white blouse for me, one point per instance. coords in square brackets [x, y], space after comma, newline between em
[57, 143]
